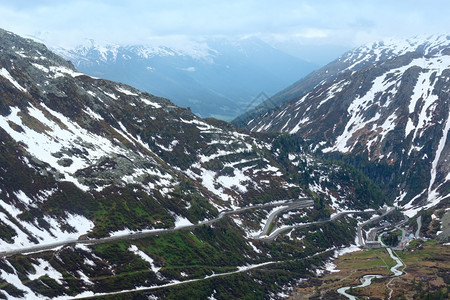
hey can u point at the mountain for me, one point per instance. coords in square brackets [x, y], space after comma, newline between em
[106, 189]
[383, 107]
[215, 78]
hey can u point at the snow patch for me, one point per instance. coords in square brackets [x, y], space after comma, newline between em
[5, 74]
[125, 91]
[181, 222]
[144, 257]
[44, 268]
[151, 103]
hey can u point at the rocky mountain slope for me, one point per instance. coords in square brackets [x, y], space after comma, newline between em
[387, 106]
[216, 78]
[145, 186]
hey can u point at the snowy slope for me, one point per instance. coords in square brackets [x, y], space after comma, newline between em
[388, 100]
[70, 136]
[127, 174]
[98, 139]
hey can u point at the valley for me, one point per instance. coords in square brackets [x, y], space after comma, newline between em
[218, 77]
[107, 191]
[425, 273]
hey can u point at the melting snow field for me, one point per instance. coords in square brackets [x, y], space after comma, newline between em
[13, 279]
[145, 257]
[42, 144]
[44, 268]
[5, 74]
[182, 222]
[55, 233]
[330, 266]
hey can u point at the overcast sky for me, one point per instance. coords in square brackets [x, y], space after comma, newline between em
[346, 23]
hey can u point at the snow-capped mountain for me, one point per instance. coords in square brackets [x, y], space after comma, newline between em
[100, 135]
[216, 78]
[388, 101]
[105, 188]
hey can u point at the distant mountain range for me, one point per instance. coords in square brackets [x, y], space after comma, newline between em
[215, 78]
[386, 104]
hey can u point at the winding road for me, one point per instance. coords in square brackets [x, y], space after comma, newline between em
[288, 204]
[359, 231]
[419, 226]
[275, 213]
[277, 232]
[264, 236]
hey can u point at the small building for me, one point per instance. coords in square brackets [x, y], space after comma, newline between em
[373, 244]
[405, 242]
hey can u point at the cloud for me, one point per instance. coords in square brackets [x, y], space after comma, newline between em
[312, 33]
[189, 69]
[344, 22]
